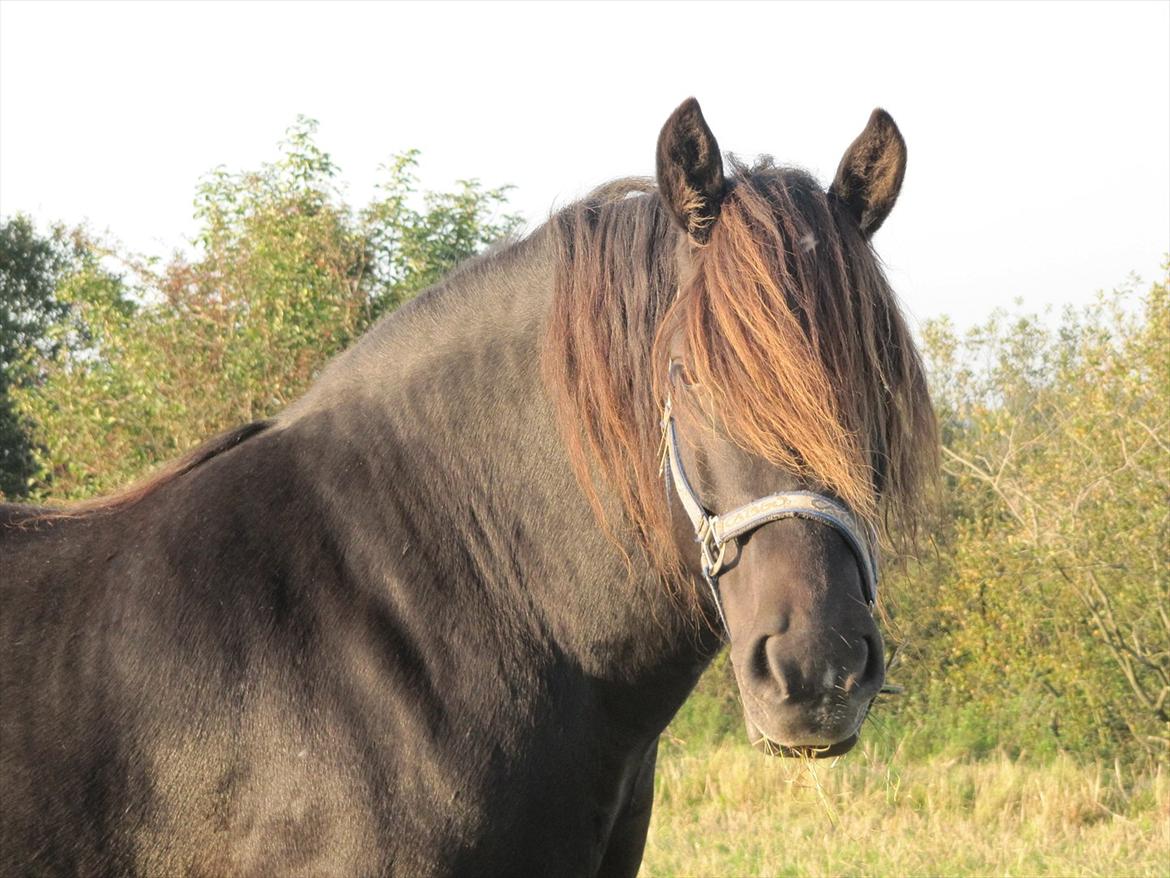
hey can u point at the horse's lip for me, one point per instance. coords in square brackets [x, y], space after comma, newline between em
[805, 751]
[771, 748]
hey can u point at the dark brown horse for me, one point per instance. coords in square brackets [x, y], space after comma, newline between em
[433, 617]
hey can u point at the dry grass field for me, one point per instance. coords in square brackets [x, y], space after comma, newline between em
[726, 810]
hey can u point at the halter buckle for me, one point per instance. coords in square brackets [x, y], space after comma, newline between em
[711, 550]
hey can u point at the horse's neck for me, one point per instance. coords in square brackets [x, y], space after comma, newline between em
[443, 411]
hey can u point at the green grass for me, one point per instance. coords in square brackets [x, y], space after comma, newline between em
[724, 809]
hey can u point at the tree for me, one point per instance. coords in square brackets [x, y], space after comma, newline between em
[286, 275]
[409, 249]
[31, 266]
[1053, 575]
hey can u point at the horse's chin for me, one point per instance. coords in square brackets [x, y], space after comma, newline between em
[766, 745]
[798, 751]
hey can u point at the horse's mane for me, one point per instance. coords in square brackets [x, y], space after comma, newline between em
[789, 324]
[143, 488]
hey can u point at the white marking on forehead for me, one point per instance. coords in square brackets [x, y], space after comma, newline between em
[808, 242]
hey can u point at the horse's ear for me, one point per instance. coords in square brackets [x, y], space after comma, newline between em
[690, 171]
[870, 174]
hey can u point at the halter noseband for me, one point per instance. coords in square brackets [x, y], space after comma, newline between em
[713, 532]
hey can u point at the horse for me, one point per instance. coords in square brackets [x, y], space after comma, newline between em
[433, 617]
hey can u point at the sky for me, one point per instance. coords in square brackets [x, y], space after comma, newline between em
[1038, 133]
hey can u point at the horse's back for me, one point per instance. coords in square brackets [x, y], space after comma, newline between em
[52, 740]
[154, 720]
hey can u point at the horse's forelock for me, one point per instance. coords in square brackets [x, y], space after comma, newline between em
[788, 321]
[791, 326]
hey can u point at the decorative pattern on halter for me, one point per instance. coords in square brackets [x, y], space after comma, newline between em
[713, 532]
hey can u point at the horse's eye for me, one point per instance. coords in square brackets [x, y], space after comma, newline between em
[682, 375]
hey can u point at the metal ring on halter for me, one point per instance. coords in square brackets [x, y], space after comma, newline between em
[712, 550]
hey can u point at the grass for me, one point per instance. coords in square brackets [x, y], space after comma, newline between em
[726, 810]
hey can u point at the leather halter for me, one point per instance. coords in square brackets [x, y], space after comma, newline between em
[713, 532]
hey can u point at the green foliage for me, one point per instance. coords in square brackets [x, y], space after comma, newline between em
[286, 275]
[410, 249]
[31, 265]
[1052, 579]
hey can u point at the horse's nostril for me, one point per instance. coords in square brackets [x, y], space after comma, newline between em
[784, 670]
[788, 680]
[805, 668]
[858, 674]
[870, 670]
[874, 670]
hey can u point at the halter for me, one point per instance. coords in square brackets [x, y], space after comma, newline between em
[713, 532]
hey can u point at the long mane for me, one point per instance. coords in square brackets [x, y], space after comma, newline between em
[789, 324]
[149, 484]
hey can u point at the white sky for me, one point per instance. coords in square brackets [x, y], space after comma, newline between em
[1038, 134]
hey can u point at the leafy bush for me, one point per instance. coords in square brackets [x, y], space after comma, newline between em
[286, 275]
[1046, 609]
[31, 266]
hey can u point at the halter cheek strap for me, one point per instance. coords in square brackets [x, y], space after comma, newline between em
[714, 532]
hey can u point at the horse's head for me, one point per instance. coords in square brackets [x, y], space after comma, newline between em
[792, 395]
[793, 592]
[742, 325]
